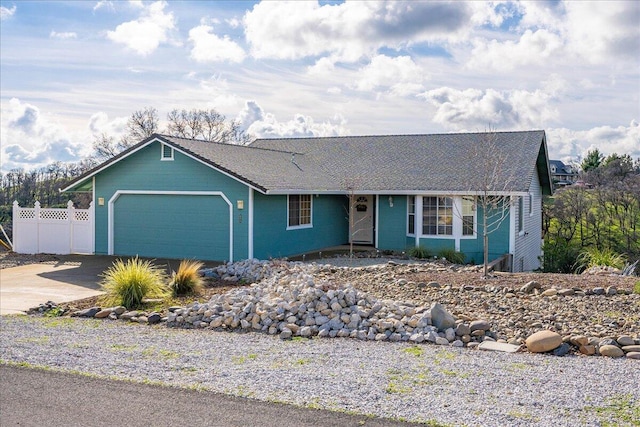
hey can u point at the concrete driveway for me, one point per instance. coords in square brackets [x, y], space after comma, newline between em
[70, 278]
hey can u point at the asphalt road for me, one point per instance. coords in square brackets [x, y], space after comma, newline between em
[34, 397]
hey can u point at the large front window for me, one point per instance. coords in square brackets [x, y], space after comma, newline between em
[437, 216]
[299, 210]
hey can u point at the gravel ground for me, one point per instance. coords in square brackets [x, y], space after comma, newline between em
[447, 386]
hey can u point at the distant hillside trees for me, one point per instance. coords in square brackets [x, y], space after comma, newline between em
[604, 215]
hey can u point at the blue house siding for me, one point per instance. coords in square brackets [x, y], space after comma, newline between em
[392, 223]
[144, 171]
[473, 249]
[273, 240]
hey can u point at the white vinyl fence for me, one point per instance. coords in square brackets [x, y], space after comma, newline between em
[53, 231]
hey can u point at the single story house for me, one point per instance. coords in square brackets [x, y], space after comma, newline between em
[171, 197]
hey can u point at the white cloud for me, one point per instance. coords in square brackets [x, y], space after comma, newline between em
[600, 31]
[145, 34]
[265, 125]
[6, 13]
[479, 109]
[400, 75]
[35, 140]
[350, 30]
[208, 47]
[106, 4]
[532, 48]
[572, 144]
[62, 36]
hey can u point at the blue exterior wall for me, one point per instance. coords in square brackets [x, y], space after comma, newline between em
[273, 240]
[498, 242]
[392, 234]
[143, 170]
[392, 223]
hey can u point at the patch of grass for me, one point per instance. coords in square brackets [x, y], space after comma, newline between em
[414, 350]
[594, 257]
[128, 283]
[122, 347]
[620, 410]
[636, 288]
[187, 280]
[522, 415]
[452, 256]
[395, 388]
[55, 312]
[452, 373]
[419, 252]
[302, 361]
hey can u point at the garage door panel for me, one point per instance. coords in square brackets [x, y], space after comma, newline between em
[172, 226]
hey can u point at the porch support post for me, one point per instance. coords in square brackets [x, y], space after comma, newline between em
[418, 219]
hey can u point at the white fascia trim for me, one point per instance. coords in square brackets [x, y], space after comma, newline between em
[250, 225]
[112, 200]
[512, 233]
[377, 216]
[393, 192]
[216, 169]
[97, 171]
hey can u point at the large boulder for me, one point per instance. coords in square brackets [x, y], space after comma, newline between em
[441, 318]
[543, 341]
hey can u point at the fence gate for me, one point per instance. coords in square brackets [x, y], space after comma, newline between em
[53, 231]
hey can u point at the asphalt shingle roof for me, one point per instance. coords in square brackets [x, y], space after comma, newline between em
[400, 163]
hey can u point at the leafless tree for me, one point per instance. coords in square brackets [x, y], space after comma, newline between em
[208, 125]
[491, 188]
[141, 124]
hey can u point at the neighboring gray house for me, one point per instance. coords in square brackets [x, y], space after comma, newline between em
[561, 174]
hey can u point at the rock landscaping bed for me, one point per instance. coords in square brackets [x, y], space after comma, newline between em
[430, 302]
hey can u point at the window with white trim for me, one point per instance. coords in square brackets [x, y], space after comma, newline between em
[299, 212]
[411, 219]
[468, 216]
[530, 204]
[167, 152]
[520, 214]
[437, 216]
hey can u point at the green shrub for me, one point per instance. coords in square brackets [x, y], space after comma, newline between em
[559, 257]
[452, 256]
[128, 283]
[187, 279]
[593, 257]
[419, 252]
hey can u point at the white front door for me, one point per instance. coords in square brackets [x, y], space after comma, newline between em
[362, 222]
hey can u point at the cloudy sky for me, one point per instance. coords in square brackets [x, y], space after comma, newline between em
[70, 70]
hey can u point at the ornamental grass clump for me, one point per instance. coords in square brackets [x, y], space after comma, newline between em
[594, 257]
[187, 279]
[452, 256]
[128, 283]
[419, 252]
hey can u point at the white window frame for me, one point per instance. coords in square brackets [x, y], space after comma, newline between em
[437, 234]
[457, 219]
[162, 153]
[300, 226]
[410, 214]
[474, 210]
[520, 218]
[531, 198]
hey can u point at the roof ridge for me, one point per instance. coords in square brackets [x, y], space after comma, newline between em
[170, 138]
[289, 138]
